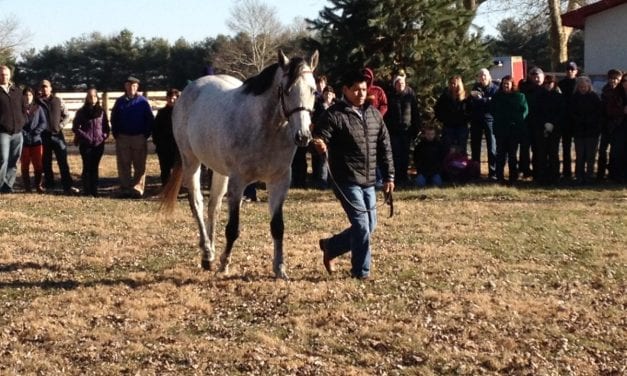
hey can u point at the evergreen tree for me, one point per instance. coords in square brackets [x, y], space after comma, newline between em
[429, 39]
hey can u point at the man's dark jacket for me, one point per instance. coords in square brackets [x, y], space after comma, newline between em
[11, 110]
[354, 144]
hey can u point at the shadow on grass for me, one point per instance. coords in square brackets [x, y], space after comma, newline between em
[15, 266]
[71, 284]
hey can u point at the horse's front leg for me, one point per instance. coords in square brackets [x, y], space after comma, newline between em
[277, 192]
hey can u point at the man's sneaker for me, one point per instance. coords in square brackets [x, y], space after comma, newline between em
[327, 261]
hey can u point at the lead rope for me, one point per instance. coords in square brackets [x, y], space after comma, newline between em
[387, 196]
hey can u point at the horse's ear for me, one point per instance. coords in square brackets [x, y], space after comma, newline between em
[313, 63]
[283, 60]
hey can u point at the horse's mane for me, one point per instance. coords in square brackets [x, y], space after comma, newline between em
[261, 82]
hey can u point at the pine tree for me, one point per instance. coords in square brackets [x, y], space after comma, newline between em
[429, 39]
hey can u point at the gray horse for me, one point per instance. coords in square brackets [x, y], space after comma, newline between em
[245, 133]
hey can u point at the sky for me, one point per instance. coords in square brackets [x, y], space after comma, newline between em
[53, 22]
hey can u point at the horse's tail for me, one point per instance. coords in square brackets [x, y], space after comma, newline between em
[171, 190]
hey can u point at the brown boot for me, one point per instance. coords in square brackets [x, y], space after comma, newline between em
[26, 183]
[38, 186]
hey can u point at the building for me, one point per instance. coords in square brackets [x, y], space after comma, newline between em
[605, 40]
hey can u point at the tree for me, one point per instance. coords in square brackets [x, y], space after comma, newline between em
[549, 12]
[11, 39]
[258, 35]
[428, 38]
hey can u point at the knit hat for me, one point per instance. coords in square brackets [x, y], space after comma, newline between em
[571, 66]
[536, 70]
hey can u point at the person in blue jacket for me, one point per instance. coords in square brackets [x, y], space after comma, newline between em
[32, 148]
[481, 120]
[131, 124]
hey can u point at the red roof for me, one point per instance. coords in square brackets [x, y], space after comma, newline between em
[577, 17]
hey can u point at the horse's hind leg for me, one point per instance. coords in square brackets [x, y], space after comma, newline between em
[192, 182]
[236, 189]
[277, 192]
[218, 189]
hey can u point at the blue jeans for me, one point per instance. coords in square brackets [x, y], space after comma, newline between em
[479, 128]
[356, 238]
[55, 143]
[421, 180]
[10, 151]
[455, 136]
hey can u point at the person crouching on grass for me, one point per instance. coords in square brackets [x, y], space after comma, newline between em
[355, 136]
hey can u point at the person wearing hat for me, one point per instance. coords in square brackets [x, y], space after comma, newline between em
[567, 87]
[131, 124]
[11, 123]
[53, 138]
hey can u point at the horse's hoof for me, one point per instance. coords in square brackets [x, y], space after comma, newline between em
[279, 273]
[224, 269]
[206, 264]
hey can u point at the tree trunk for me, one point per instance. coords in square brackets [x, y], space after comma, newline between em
[559, 34]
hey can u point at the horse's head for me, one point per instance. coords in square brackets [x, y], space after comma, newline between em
[297, 95]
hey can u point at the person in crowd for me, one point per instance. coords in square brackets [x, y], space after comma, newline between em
[376, 95]
[533, 90]
[163, 137]
[458, 168]
[429, 156]
[546, 132]
[355, 136]
[33, 149]
[607, 126]
[567, 87]
[453, 111]
[11, 123]
[131, 123]
[403, 122]
[509, 108]
[481, 120]
[321, 84]
[586, 110]
[319, 170]
[91, 129]
[617, 116]
[53, 138]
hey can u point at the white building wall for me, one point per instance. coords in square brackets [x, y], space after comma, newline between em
[606, 41]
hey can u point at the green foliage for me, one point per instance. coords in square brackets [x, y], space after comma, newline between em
[105, 62]
[429, 39]
[530, 39]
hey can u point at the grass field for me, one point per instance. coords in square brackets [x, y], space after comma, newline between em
[475, 280]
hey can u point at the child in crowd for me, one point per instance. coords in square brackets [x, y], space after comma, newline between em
[458, 168]
[428, 158]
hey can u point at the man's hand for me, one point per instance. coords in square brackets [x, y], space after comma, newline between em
[388, 186]
[320, 146]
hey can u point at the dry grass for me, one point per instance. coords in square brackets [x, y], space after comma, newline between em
[470, 280]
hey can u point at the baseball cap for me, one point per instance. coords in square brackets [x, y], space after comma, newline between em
[45, 83]
[132, 79]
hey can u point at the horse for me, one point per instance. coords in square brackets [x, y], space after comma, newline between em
[244, 132]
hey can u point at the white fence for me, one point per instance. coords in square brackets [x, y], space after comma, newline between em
[74, 101]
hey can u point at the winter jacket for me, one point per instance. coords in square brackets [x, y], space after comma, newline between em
[162, 135]
[509, 111]
[480, 106]
[33, 127]
[132, 116]
[533, 93]
[429, 157]
[354, 144]
[56, 113]
[586, 112]
[551, 109]
[91, 126]
[451, 112]
[11, 114]
[403, 114]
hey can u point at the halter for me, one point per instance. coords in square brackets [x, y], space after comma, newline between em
[287, 113]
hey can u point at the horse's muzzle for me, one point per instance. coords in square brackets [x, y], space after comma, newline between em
[302, 139]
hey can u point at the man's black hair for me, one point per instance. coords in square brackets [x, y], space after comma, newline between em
[352, 77]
